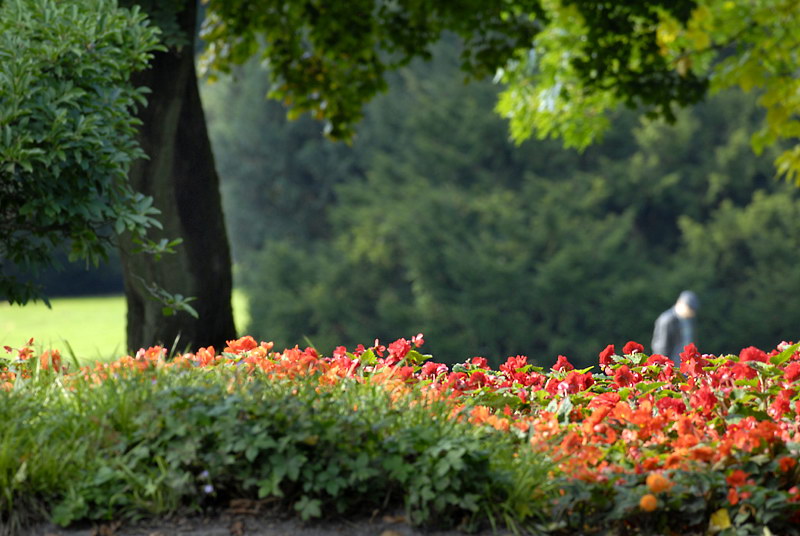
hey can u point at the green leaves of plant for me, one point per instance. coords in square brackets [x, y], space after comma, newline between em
[67, 131]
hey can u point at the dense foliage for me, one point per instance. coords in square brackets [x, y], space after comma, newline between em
[67, 134]
[567, 64]
[631, 445]
[204, 429]
[434, 221]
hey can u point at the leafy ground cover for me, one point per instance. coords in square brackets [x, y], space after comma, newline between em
[635, 447]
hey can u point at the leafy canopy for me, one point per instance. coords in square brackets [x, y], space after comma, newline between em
[329, 58]
[719, 44]
[67, 132]
[566, 63]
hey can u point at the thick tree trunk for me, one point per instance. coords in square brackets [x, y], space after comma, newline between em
[181, 177]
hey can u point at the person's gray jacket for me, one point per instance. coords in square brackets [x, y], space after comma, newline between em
[667, 335]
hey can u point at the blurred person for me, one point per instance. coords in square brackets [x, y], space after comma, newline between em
[674, 327]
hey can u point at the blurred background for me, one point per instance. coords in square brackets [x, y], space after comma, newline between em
[433, 221]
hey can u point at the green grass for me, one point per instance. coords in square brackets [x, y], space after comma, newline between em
[94, 327]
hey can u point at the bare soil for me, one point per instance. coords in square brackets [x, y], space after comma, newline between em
[256, 524]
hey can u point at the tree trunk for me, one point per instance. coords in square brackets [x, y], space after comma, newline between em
[181, 177]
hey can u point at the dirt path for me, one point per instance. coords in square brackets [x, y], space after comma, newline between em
[253, 525]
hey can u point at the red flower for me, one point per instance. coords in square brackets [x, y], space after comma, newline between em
[692, 362]
[792, 371]
[624, 377]
[432, 369]
[563, 364]
[608, 399]
[480, 362]
[781, 404]
[457, 380]
[632, 347]
[404, 373]
[513, 364]
[689, 352]
[572, 383]
[786, 464]
[667, 403]
[417, 340]
[751, 353]
[605, 355]
[478, 379]
[737, 478]
[575, 382]
[743, 371]
[399, 348]
[658, 359]
[667, 373]
[704, 400]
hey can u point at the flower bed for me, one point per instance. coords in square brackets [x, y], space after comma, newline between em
[632, 446]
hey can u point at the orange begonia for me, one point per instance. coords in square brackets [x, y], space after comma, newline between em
[657, 483]
[648, 502]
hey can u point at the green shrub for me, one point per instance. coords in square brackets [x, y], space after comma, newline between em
[67, 132]
[148, 444]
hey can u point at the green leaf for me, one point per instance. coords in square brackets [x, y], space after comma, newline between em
[785, 355]
[647, 387]
[308, 508]
[368, 358]
[564, 410]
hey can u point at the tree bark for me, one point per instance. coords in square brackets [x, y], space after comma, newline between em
[181, 177]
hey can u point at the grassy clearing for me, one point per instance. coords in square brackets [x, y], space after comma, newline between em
[94, 327]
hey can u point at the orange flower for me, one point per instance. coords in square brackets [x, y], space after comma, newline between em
[702, 454]
[658, 483]
[522, 426]
[243, 344]
[498, 423]
[675, 460]
[207, 356]
[737, 478]
[49, 357]
[479, 414]
[648, 502]
[787, 464]
[651, 463]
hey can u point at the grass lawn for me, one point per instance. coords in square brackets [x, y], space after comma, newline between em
[94, 327]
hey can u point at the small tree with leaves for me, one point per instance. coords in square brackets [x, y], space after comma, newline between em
[68, 134]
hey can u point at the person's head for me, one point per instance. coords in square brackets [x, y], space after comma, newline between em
[687, 305]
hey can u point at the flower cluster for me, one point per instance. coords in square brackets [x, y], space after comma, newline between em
[634, 414]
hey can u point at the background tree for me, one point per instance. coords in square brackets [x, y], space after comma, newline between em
[278, 174]
[566, 63]
[443, 226]
[180, 177]
[744, 260]
[590, 59]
